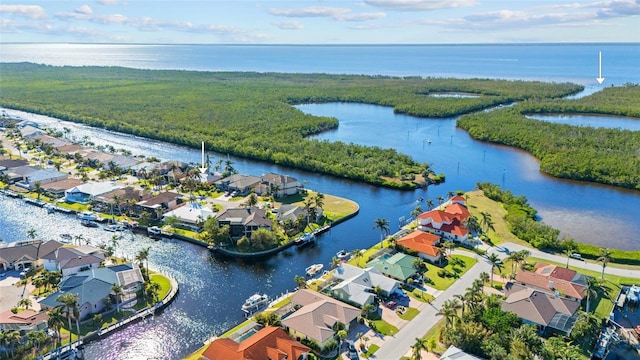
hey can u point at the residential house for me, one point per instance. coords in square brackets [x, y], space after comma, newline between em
[191, 215]
[552, 279]
[126, 198]
[424, 244]
[243, 221]
[87, 192]
[96, 157]
[270, 342]
[53, 141]
[23, 321]
[57, 189]
[356, 285]
[548, 311]
[317, 315]
[447, 223]
[23, 254]
[124, 162]
[158, 205]
[70, 260]
[31, 132]
[6, 165]
[18, 173]
[291, 212]
[242, 184]
[398, 266]
[70, 149]
[453, 353]
[277, 185]
[42, 176]
[94, 286]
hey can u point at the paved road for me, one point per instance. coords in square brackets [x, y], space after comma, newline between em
[397, 346]
[504, 249]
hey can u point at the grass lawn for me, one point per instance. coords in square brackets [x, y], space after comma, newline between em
[420, 295]
[408, 314]
[432, 337]
[477, 203]
[163, 281]
[334, 207]
[442, 283]
[184, 232]
[382, 326]
[370, 351]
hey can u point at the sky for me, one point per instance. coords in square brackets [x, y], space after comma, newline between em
[319, 22]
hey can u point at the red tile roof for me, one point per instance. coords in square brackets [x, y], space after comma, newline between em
[549, 283]
[269, 343]
[421, 242]
[459, 210]
[458, 198]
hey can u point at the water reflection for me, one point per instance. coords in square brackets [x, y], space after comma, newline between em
[596, 121]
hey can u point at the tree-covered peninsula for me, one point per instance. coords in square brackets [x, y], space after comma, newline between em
[607, 156]
[250, 114]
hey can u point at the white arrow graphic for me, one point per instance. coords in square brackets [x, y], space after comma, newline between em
[600, 79]
[203, 169]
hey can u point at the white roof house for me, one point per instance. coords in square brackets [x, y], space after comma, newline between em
[87, 191]
[190, 214]
[357, 284]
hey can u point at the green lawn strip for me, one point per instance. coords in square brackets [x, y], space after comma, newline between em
[408, 314]
[238, 327]
[334, 207]
[382, 326]
[282, 302]
[88, 325]
[163, 281]
[604, 303]
[432, 337]
[185, 232]
[441, 283]
[370, 351]
[420, 295]
[477, 203]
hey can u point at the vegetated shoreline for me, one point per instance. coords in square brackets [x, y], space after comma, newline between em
[187, 107]
[517, 212]
[600, 155]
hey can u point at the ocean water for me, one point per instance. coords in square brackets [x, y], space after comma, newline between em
[546, 62]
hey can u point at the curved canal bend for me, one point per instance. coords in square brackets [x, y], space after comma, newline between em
[212, 289]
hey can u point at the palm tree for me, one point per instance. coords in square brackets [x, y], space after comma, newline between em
[142, 257]
[449, 311]
[485, 220]
[300, 281]
[13, 339]
[383, 226]
[570, 248]
[593, 289]
[37, 187]
[367, 309]
[605, 257]
[495, 263]
[429, 203]
[440, 199]
[37, 337]
[319, 200]
[117, 292]
[25, 302]
[70, 302]
[79, 239]
[416, 211]
[448, 246]
[516, 258]
[153, 289]
[417, 348]
[4, 341]
[484, 276]
[32, 233]
[252, 200]
[114, 242]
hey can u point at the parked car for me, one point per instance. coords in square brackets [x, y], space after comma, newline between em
[576, 256]
[390, 304]
[352, 352]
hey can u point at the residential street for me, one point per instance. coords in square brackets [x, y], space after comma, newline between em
[400, 345]
[505, 248]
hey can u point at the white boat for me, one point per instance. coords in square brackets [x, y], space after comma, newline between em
[342, 254]
[314, 269]
[88, 215]
[88, 223]
[254, 302]
[154, 231]
[65, 238]
[113, 227]
[305, 238]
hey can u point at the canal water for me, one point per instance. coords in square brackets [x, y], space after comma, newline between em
[212, 290]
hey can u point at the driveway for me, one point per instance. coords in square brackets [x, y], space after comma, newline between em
[9, 293]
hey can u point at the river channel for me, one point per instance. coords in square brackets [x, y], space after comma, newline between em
[212, 290]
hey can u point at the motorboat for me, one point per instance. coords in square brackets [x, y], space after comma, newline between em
[305, 238]
[113, 227]
[65, 238]
[343, 254]
[154, 231]
[88, 215]
[314, 269]
[88, 223]
[254, 302]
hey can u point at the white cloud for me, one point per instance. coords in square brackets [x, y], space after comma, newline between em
[420, 5]
[84, 9]
[313, 11]
[110, 2]
[28, 11]
[338, 14]
[289, 25]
